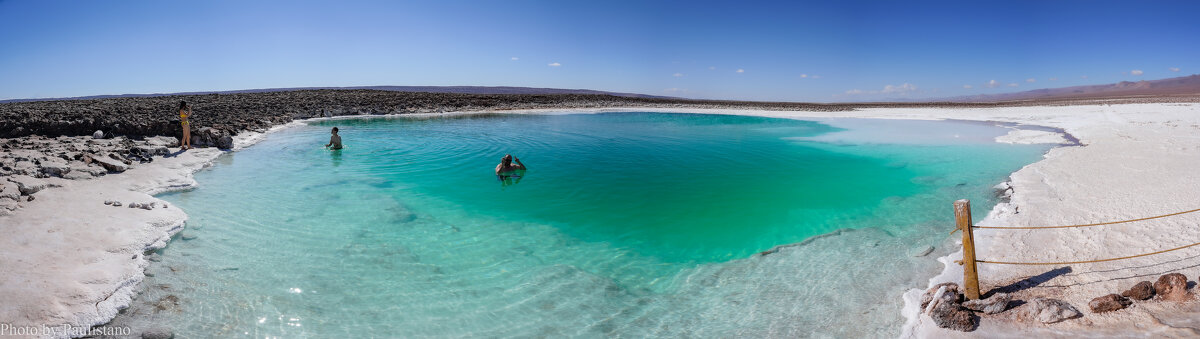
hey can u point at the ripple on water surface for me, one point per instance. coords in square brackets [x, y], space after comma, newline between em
[627, 223]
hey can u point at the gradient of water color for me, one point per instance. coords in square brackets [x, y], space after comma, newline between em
[629, 224]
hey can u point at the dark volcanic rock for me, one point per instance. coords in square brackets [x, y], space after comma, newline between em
[946, 312]
[1172, 287]
[1108, 303]
[1141, 291]
[146, 153]
[932, 291]
[212, 137]
[225, 142]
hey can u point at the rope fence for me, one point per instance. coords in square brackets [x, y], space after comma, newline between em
[962, 216]
[1088, 225]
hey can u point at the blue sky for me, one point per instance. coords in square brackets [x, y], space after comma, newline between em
[787, 50]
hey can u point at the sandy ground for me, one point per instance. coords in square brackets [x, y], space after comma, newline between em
[70, 259]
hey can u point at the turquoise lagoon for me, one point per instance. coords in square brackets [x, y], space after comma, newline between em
[625, 224]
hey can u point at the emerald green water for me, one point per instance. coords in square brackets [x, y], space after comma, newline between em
[678, 188]
[636, 224]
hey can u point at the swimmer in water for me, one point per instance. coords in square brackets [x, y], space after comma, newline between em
[335, 140]
[508, 173]
[506, 165]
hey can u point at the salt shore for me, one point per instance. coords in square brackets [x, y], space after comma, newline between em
[70, 259]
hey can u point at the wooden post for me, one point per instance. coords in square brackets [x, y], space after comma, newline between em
[962, 216]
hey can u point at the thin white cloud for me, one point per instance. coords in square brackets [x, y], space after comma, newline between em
[815, 76]
[804, 75]
[993, 84]
[1136, 72]
[712, 68]
[554, 64]
[1013, 85]
[1083, 77]
[1031, 80]
[741, 70]
[675, 90]
[1174, 69]
[1053, 79]
[515, 58]
[967, 86]
[677, 75]
[902, 89]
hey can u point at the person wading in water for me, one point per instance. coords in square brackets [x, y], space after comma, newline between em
[506, 165]
[335, 141]
[507, 172]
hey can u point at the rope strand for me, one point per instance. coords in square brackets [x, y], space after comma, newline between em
[1085, 225]
[1083, 262]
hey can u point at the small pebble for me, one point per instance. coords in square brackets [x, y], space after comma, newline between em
[116, 204]
[921, 252]
[29, 199]
[133, 205]
[158, 333]
[108, 202]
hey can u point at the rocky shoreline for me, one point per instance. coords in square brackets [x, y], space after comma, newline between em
[26, 161]
[230, 114]
[82, 138]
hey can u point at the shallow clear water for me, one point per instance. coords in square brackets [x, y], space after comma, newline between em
[625, 224]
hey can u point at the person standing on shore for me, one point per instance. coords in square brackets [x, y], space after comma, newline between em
[185, 111]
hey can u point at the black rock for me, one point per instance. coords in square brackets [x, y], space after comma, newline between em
[1141, 291]
[1108, 303]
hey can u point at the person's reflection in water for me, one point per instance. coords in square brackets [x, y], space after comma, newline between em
[510, 178]
[336, 156]
[509, 173]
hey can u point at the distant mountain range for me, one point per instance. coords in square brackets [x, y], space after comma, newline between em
[428, 89]
[1185, 85]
